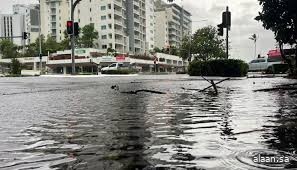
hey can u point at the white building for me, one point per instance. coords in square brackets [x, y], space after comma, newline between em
[121, 24]
[31, 19]
[150, 24]
[54, 15]
[12, 25]
[172, 24]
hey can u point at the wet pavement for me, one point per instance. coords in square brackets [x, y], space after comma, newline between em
[81, 123]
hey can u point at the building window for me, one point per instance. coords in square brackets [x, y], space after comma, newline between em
[103, 27]
[103, 17]
[104, 46]
[109, 26]
[109, 6]
[103, 8]
[90, 9]
[104, 37]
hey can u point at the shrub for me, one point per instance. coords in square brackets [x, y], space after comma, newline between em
[15, 67]
[219, 67]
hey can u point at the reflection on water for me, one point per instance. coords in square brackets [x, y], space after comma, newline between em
[83, 124]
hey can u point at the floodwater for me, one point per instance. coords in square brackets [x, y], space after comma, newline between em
[81, 123]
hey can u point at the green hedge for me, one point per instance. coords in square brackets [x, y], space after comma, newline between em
[126, 71]
[220, 67]
[277, 69]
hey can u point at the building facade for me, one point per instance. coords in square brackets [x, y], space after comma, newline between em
[150, 24]
[12, 25]
[31, 20]
[121, 24]
[173, 23]
[54, 15]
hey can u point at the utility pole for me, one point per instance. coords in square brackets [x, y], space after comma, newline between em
[225, 24]
[72, 38]
[40, 49]
[227, 33]
[73, 5]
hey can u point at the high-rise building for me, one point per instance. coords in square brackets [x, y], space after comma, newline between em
[12, 25]
[31, 20]
[173, 23]
[121, 24]
[150, 24]
[54, 15]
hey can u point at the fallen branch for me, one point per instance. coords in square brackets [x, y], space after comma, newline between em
[214, 84]
[143, 90]
[276, 89]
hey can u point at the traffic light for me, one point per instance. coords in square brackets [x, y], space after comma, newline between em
[226, 19]
[76, 29]
[220, 29]
[25, 35]
[69, 27]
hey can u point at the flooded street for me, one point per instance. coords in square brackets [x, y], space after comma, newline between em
[81, 123]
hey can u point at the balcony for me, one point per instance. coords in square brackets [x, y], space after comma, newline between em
[118, 3]
[118, 31]
[118, 22]
[118, 13]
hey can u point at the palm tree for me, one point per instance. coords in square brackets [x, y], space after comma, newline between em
[254, 38]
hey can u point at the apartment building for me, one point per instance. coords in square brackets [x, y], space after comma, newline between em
[173, 22]
[31, 19]
[54, 15]
[12, 25]
[150, 24]
[121, 24]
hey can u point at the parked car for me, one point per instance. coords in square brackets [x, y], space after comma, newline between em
[262, 64]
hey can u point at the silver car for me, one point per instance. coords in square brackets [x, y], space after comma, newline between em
[262, 64]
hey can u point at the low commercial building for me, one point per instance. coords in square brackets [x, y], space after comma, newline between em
[89, 61]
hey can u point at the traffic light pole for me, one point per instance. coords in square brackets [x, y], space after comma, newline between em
[72, 39]
[227, 34]
[73, 5]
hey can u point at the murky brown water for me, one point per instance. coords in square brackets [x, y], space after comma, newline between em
[81, 123]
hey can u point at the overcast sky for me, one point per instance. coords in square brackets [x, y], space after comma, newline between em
[243, 23]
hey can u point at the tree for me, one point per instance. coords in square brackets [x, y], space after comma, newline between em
[185, 48]
[31, 50]
[280, 16]
[51, 45]
[111, 52]
[8, 49]
[15, 67]
[88, 36]
[204, 45]
[157, 50]
[254, 38]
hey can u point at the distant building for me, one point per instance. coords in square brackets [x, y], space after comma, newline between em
[173, 23]
[31, 19]
[12, 25]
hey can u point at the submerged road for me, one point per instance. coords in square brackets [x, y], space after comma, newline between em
[82, 123]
